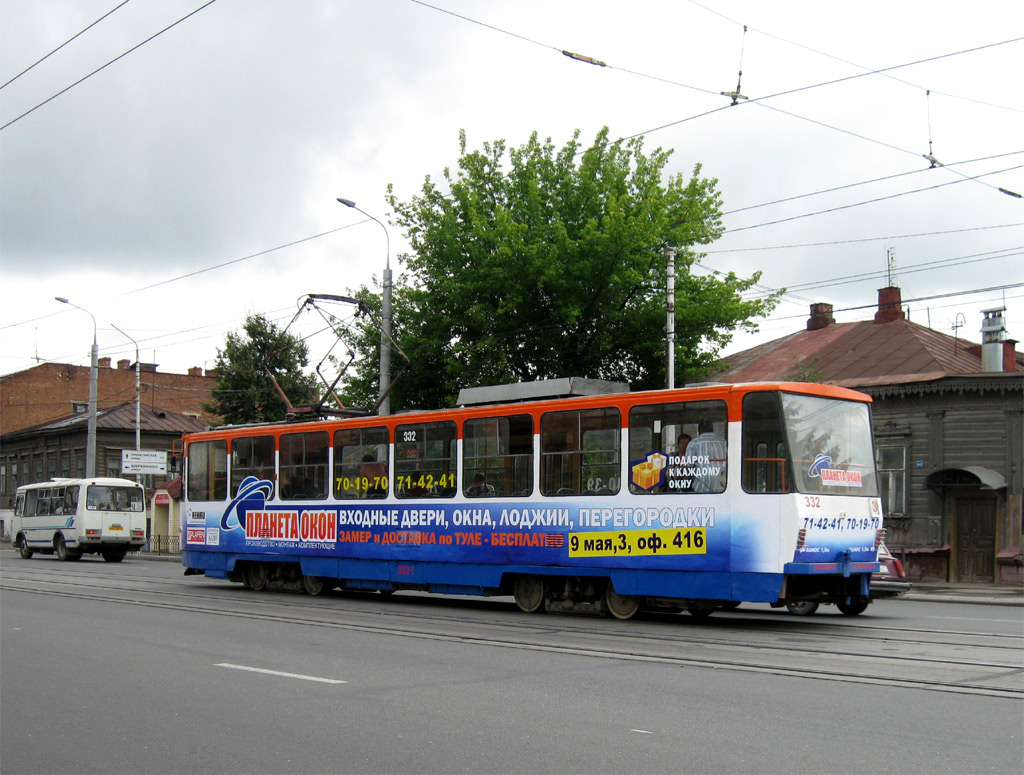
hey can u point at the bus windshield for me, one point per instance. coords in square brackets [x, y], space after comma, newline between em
[830, 441]
[106, 498]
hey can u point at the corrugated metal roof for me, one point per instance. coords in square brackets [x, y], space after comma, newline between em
[152, 420]
[860, 353]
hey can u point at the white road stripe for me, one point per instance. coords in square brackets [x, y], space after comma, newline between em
[278, 672]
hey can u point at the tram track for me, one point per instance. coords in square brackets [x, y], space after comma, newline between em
[940, 660]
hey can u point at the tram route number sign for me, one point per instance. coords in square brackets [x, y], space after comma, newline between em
[638, 543]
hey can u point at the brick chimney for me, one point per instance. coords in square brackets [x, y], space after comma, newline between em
[890, 305]
[103, 363]
[1009, 355]
[195, 371]
[123, 364]
[821, 316]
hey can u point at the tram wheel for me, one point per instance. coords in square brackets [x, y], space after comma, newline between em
[620, 606]
[529, 593]
[257, 576]
[313, 585]
[802, 607]
[854, 607]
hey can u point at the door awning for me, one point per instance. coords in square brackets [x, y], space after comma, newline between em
[966, 478]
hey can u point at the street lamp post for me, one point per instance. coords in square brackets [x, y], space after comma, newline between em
[138, 406]
[90, 437]
[385, 332]
[670, 323]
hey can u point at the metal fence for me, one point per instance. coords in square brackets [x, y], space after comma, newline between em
[169, 546]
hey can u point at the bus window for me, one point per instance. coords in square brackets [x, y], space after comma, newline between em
[31, 500]
[425, 460]
[252, 456]
[497, 456]
[678, 448]
[71, 499]
[765, 465]
[304, 465]
[361, 463]
[580, 452]
[207, 467]
[101, 497]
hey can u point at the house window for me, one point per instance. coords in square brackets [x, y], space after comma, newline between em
[79, 407]
[114, 466]
[892, 464]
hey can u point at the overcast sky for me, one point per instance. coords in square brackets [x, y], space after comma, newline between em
[156, 192]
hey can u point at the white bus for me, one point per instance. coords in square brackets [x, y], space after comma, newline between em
[72, 517]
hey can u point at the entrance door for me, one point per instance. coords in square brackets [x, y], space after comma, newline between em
[976, 539]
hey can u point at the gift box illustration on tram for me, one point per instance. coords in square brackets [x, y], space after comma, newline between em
[647, 473]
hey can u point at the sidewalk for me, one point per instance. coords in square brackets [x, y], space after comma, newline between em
[949, 592]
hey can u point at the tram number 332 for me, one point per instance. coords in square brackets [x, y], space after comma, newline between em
[638, 543]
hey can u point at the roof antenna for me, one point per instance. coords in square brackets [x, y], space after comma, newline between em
[736, 95]
[958, 322]
[890, 259]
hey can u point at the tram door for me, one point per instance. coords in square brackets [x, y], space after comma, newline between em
[975, 539]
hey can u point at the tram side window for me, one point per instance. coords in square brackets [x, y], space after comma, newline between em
[361, 463]
[678, 448]
[497, 456]
[580, 452]
[207, 470]
[766, 465]
[425, 460]
[253, 456]
[304, 469]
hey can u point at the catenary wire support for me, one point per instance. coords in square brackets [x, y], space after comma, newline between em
[737, 95]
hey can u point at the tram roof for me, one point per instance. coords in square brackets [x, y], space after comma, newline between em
[565, 387]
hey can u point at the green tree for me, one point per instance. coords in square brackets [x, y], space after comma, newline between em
[244, 392]
[553, 267]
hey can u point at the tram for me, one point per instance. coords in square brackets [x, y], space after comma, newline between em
[694, 499]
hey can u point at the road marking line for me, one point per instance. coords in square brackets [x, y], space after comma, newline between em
[278, 672]
[641, 731]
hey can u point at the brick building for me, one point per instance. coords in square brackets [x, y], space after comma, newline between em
[51, 391]
[57, 448]
[948, 421]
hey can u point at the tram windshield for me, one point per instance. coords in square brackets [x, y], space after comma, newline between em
[830, 443]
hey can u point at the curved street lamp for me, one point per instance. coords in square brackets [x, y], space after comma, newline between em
[90, 437]
[385, 333]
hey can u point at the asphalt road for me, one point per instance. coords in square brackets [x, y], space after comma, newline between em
[134, 668]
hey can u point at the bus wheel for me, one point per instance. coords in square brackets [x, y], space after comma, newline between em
[620, 606]
[857, 605]
[312, 585]
[61, 549]
[529, 593]
[256, 575]
[23, 550]
[802, 607]
[114, 556]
